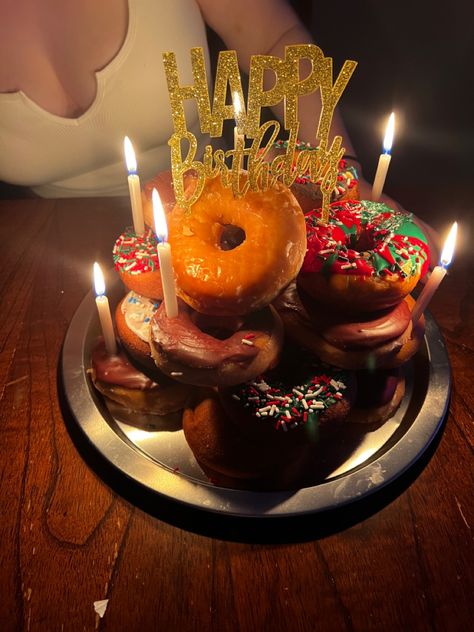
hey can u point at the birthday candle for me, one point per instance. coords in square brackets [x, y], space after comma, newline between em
[134, 187]
[384, 160]
[436, 276]
[164, 256]
[103, 308]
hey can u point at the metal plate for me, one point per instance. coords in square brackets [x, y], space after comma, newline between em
[362, 461]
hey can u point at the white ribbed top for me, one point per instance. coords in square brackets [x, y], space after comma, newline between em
[66, 157]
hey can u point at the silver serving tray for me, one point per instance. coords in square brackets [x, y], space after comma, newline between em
[360, 463]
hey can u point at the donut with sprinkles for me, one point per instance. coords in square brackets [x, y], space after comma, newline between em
[299, 397]
[265, 433]
[136, 261]
[367, 257]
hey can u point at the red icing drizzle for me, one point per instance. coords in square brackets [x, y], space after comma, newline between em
[388, 243]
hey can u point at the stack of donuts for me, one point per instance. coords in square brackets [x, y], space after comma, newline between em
[232, 257]
[351, 302]
[131, 378]
[281, 322]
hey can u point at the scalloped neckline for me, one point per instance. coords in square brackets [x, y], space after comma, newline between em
[100, 76]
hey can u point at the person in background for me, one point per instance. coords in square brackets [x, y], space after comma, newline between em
[76, 77]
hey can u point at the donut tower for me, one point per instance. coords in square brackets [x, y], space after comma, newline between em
[294, 309]
[269, 354]
[351, 302]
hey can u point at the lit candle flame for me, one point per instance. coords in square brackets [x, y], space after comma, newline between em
[389, 130]
[99, 283]
[161, 228]
[130, 158]
[449, 244]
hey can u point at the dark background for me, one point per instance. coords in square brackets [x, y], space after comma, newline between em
[415, 58]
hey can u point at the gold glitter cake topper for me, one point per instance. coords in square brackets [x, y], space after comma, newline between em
[288, 87]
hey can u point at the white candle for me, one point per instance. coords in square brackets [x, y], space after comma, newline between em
[103, 308]
[436, 276]
[384, 160]
[134, 187]
[164, 256]
[238, 135]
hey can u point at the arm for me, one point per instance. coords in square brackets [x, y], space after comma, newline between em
[265, 27]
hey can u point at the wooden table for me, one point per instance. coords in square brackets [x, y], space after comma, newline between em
[400, 560]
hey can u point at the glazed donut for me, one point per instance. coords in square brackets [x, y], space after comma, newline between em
[182, 348]
[163, 183]
[133, 316]
[368, 257]
[117, 379]
[384, 339]
[309, 193]
[136, 261]
[232, 256]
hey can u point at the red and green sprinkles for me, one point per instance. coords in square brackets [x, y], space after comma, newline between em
[365, 238]
[134, 254]
[289, 406]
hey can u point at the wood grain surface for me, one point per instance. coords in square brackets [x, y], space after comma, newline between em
[74, 532]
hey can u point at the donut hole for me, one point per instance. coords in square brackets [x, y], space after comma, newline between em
[363, 242]
[220, 327]
[231, 237]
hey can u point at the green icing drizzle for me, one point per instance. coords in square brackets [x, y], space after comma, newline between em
[395, 229]
[379, 263]
[327, 265]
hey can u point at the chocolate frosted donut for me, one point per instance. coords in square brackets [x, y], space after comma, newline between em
[309, 193]
[117, 379]
[385, 339]
[365, 332]
[118, 370]
[292, 402]
[264, 434]
[230, 459]
[183, 349]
